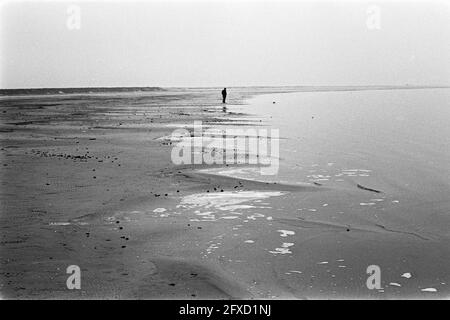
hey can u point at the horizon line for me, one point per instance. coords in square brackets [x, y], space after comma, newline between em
[238, 86]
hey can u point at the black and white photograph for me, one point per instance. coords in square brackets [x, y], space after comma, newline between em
[225, 150]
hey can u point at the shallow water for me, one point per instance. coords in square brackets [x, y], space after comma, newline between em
[393, 141]
[360, 131]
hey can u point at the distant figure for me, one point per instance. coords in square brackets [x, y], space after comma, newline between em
[224, 95]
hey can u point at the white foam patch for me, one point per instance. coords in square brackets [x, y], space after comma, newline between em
[206, 216]
[226, 201]
[249, 241]
[284, 249]
[285, 233]
[395, 284]
[59, 223]
[212, 247]
[406, 275]
[251, 173]
[256, 215]
[319, 177]
[208, 213]
[159, 210]
[234, 172]
[229, 217]
[236, 207]
[429, 290]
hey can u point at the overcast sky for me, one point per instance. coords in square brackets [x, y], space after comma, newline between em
[224, 43]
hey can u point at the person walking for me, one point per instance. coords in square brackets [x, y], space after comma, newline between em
[224, 95]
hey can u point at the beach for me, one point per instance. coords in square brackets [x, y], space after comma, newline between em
[88, 180]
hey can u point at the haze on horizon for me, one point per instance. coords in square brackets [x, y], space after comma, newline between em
[224, 43]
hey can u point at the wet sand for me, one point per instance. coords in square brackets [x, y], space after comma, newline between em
[88, 181]
[71, 164]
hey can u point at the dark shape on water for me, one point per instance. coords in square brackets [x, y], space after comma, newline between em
[368, 189]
